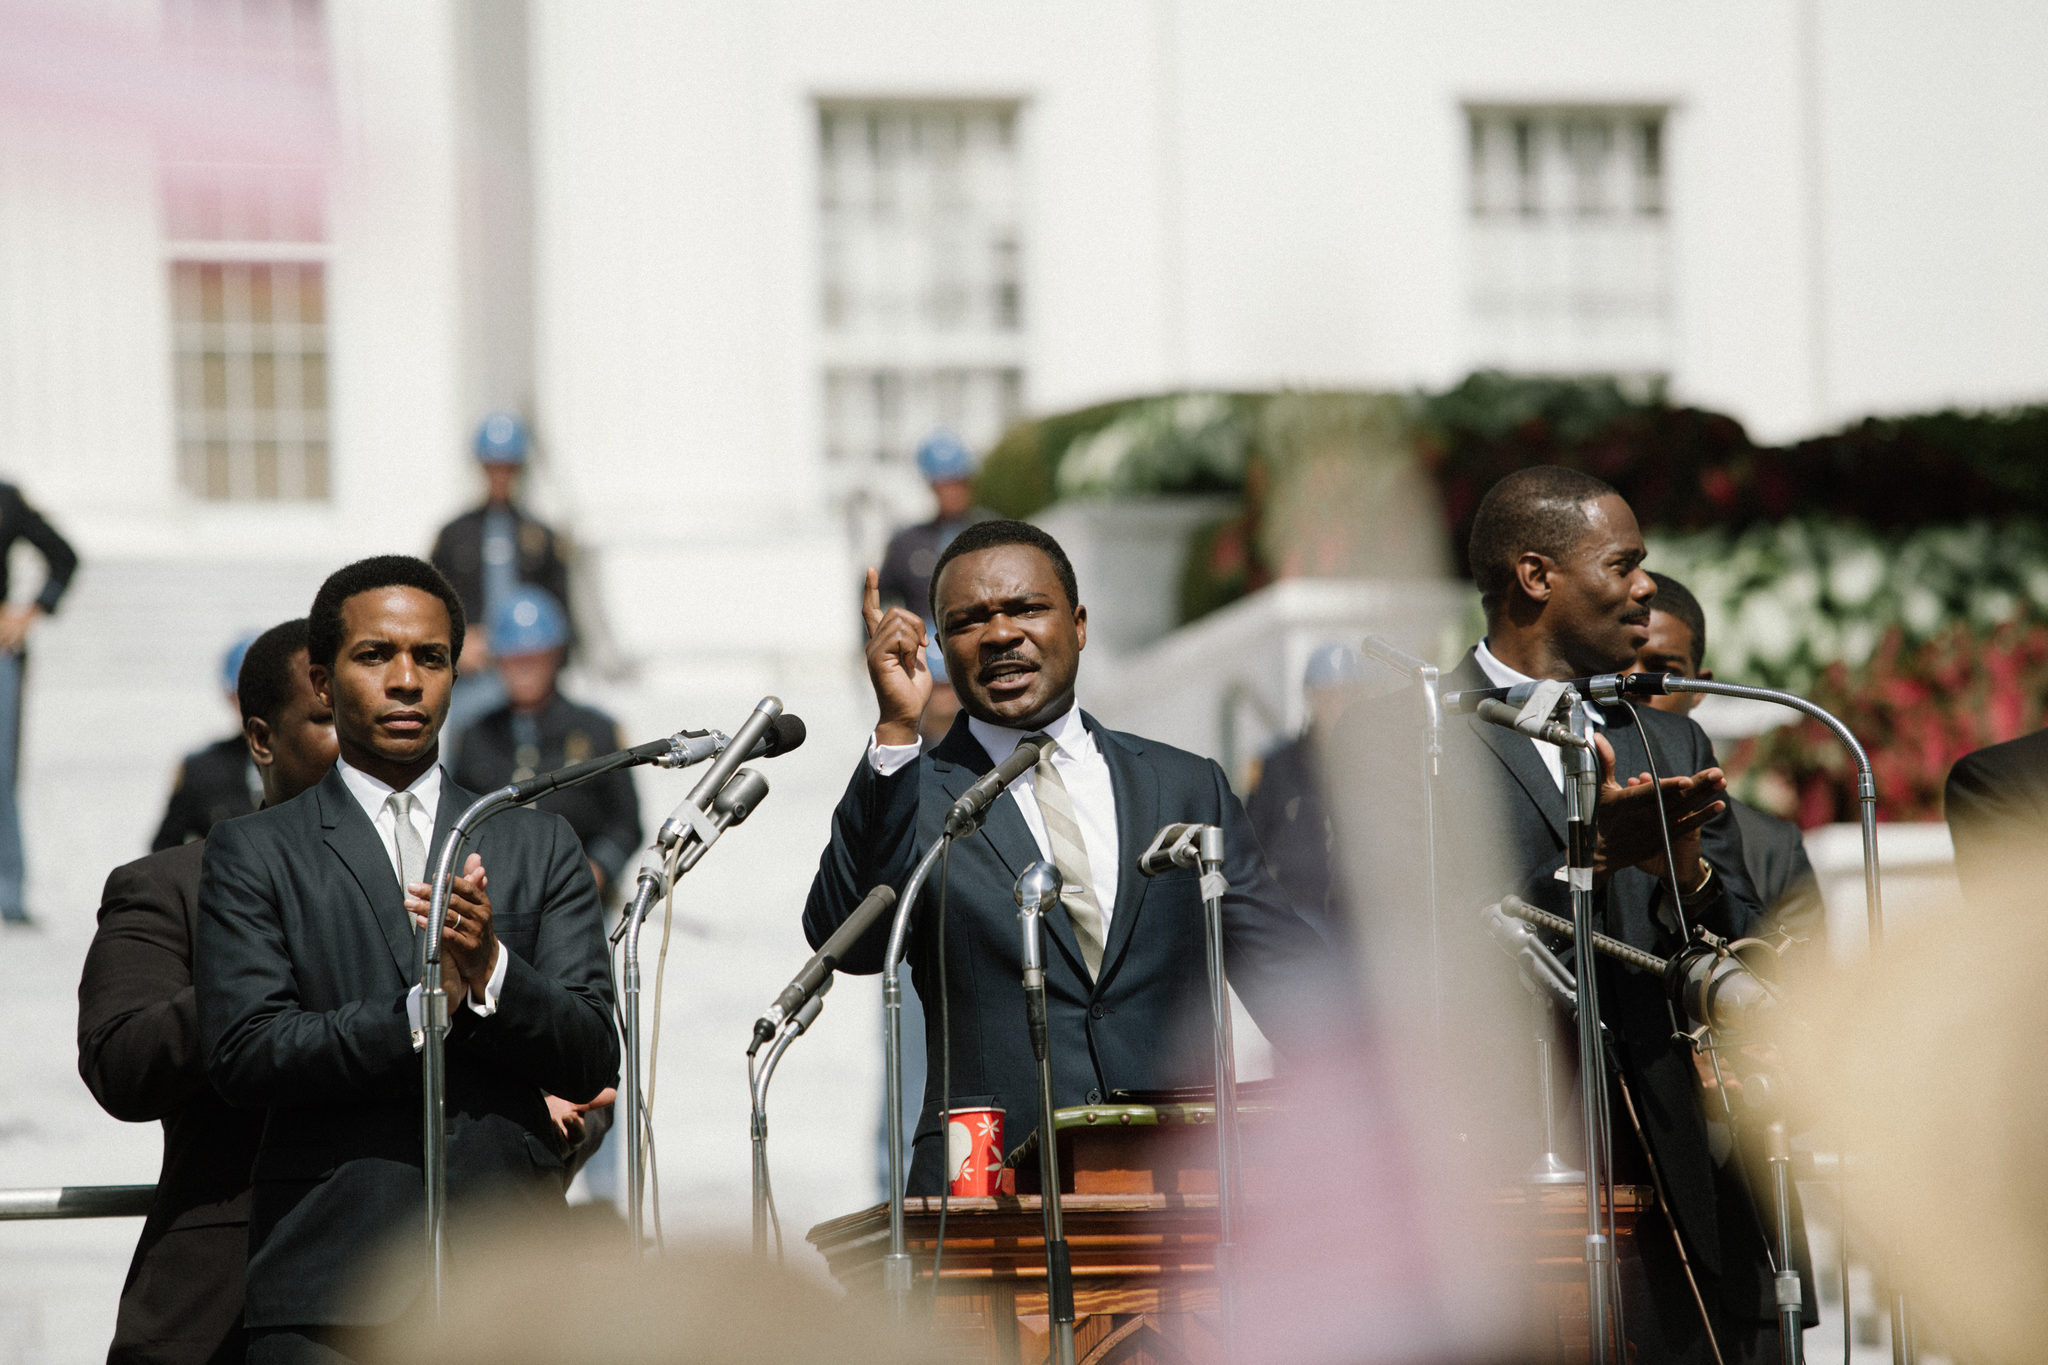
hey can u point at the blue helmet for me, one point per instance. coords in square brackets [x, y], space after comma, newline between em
[231, 662]
[501, 440]
[1332, 665]
[528, 620]
[944, 457]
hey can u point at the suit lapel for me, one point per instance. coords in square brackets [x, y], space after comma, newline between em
[959, 760]
[354, 840]
[1517, 753]
[1136, 786]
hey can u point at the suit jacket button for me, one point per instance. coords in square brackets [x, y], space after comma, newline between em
[1096, 1011]
[1095, 1097]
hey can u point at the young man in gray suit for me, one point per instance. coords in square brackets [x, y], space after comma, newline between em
[1126, 988]
[308, 1001]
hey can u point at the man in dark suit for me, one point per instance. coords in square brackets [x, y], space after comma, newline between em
[1125, 977]
[1773, 850]
[1996, 803]
[139, 1048]
[1557, 558]
[308, 1001]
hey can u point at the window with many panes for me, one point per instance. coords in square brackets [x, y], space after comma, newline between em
[921, 304]
[246, 256]
[1570, 250]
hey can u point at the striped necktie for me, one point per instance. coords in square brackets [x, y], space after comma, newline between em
[1070, 856]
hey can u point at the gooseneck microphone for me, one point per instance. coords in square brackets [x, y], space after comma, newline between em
[1541, 727]
[816, 975]
[1174, 846]
[1037, 892]
[677, 751]
[968, 813]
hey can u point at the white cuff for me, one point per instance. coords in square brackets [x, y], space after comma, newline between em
[488, 1006]
[415, 1012]
[886, 759]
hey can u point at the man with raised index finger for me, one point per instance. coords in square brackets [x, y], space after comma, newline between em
[309, 1004]
[1126, 981]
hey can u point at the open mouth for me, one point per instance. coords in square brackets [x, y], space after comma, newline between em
[1008, 677]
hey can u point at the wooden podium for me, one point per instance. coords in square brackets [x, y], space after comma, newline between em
[1141, 1225]
[1144, 1275]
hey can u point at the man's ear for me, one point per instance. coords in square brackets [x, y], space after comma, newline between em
[1704, 674]
[1081, 625]
[322, 678]
[256, 733]
[1532, 574]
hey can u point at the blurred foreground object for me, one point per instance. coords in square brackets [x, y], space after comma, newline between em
[1921, 1065]
[538, 1296]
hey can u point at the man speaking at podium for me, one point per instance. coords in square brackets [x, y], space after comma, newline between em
[307, 980]
[1126, 977]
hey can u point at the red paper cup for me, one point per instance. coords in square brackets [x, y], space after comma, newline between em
[974, 1150]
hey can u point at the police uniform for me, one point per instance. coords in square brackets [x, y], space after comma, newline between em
[216, 783]
[507, 747]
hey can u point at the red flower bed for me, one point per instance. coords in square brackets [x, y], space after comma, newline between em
[1917, 710]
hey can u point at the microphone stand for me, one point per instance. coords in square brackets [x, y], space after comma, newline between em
[1229, 1169]
[1582, 794]
[729, 806]
[896, 1269]
[788, 1032]
[1038, 890]
[1653, 684]
[1432, 771]
[653, 883]
[676, 751]
[963, 819]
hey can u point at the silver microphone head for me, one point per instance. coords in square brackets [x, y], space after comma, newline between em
[1039, 886]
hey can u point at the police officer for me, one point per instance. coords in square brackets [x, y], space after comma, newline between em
[906, 573]
[486, 553]
[1286, 809]
[538, 730]
[216, 783]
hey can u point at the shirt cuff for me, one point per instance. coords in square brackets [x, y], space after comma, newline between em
[488, 1006]
[887, 759]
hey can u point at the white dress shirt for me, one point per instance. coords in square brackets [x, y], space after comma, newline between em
[1081, 766]
[1500, 675]
[370, 793]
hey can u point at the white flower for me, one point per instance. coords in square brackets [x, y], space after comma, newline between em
[1855, 578]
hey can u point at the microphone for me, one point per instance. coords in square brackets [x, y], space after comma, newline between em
[1600, 689]
[1173, 846]
[1037, 892]
[1540, 728]
[677, 751]
[785, 732]
[730, 807]
[816, 975]
[971, 809]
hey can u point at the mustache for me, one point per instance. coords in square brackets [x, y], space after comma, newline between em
[1012, 655]
[1639, 616]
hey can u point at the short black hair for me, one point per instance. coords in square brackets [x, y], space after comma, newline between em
[323, 622]
[1674, 598]
[266, 683]
[1542, 509]
[989, 535]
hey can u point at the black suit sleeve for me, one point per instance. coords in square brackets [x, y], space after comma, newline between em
[138, 1018]
[1278, 964]
[874, 835]
[553, 1025]
[1995, 818]
[263, 1047]
[60, 559]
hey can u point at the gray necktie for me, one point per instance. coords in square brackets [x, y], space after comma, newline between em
[412, 853]
[1070, 856]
